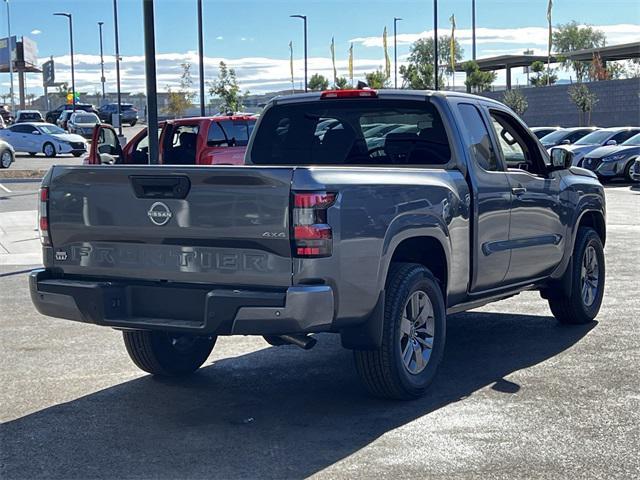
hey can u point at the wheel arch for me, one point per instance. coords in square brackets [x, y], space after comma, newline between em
[593, 219]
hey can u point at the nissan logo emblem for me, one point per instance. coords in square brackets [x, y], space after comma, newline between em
[159, 214]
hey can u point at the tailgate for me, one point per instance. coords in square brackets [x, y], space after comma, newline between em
[217, 225]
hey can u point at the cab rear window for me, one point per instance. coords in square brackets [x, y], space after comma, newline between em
[352, 132]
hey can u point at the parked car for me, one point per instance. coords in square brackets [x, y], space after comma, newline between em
[128, 113]
[43, 137]
[24, 116]
[82, 123]
[565, 136]
[7, 154]
[377, 246]
[63, 119]
[599, 138]
[52, 115]
[613, 161]
[186, 141]
[540, 132]
[2, 123]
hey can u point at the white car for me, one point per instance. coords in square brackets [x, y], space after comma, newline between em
[82, 123]
[599, 138]
[43, 137]
[7, 155]
[24, 116]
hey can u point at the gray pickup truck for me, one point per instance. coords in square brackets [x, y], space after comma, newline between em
[370, 214]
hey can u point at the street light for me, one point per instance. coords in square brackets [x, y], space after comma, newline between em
[304, 18]
[13, 103]
[473, 29]
[101, 61]
[201, 58]
[435, 43]
[115, 23]
[395, 51]
[73, 77]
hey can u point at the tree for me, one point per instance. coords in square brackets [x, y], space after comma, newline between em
[418, 74]
[377, 79]
[226, 88]
[181, 100]
[516, 101]
[542, 77]
[584, 100]
[571, 37]
[477, 80]
[342, 83]
[318, 82]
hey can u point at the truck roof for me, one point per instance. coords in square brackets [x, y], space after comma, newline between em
[382, 93]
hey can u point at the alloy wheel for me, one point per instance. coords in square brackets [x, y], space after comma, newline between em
[589, 275]
[416, 332]
[6, 159]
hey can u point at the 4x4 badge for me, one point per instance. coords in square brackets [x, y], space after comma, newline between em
[159, 213]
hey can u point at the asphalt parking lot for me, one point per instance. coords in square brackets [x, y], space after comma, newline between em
[517, 395]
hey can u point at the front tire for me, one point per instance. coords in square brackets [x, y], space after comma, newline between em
[49, 150]
[165, 353]
[133, 124]
[587, 281]
[6, 159]
[413, 336]
[627, 172]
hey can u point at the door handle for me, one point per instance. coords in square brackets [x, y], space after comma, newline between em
[518, 191]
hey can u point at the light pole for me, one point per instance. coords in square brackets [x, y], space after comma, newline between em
[102, 79]
[115, 24]
[304, 18]
[395, 51]
[435, 43]
[201, 58]
[150, 71]
[13, 103]
[473, 29]
[73, 75]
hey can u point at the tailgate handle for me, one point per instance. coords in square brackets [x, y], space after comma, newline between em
[160, 187]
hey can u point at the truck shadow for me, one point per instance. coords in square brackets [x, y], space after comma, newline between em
[275, 413]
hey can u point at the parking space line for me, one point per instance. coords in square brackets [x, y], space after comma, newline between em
[5, 188]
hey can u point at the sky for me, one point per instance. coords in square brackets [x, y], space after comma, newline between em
[252, 36]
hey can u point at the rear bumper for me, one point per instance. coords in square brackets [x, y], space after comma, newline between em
[188, 308]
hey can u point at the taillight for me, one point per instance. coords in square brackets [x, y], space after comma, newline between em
[43, 217]
[312, 236]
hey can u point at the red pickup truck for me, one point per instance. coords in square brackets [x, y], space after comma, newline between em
[186, 141]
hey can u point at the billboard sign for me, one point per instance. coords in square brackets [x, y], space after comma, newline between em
[7, 51]
[48, 74]
[29, 51]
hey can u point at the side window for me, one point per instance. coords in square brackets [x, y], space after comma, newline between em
[215, 137]
[518, 149]
[107, 137]
[480, 142]
[20, 129]
[577, 135]
[622, 136]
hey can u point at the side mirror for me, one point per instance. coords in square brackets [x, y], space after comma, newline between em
[566, 141]
[611, 142]
[560, 159]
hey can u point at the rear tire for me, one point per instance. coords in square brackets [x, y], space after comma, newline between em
[587, 281]
[133, 124]
[165, 353]
[404, 365]
[76, 154]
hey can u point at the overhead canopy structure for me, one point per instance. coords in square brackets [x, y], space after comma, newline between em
[626, 51]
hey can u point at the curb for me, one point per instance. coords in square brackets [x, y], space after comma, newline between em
[22, 174]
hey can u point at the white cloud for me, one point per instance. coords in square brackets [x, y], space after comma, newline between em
[264, 74]
[35, 31]
[525, 36]
[220, 37]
